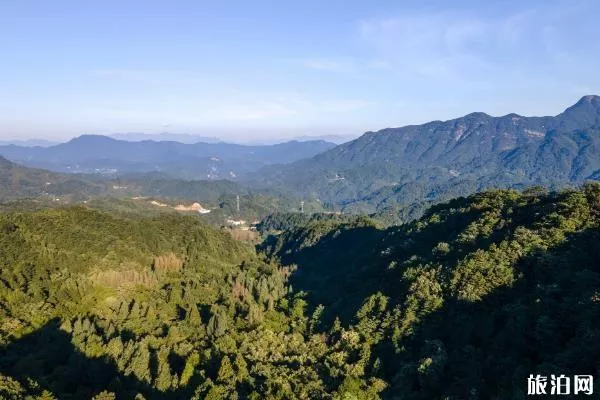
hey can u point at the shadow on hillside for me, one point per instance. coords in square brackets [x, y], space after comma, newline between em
[48, 357]
[345, 266]
[338, 270]
[546, 323]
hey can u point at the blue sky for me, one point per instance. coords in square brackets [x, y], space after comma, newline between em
[244, 70]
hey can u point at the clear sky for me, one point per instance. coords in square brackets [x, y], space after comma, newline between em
[282, 68]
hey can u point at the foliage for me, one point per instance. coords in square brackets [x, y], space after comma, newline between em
[465, 302]
[163, 306]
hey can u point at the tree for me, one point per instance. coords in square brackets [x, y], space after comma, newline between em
[104, 395]
[241, 368]
[217, 325]
[46, 395]
[139, 364]
[190, 365]
[163, 379]
[10, 389]
[315, 319]
[226, 373]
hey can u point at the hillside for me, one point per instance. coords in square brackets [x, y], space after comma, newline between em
[198, 161]
[98, 305]
[464, 303]
[23, 188]
[440, 160]
[18, 182]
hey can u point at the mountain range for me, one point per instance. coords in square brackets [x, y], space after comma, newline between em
[443, 159]
[165, 137]
[29, 142]
[389, 169]
[18, 182]
[124, 298]
[24, 188]
[109, 156]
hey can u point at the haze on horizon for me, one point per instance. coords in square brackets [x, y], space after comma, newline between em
[256, 70]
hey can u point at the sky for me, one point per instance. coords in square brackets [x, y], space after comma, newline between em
[252, 70]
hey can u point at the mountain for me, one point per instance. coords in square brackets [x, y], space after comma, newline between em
[29, 142]
[165, 137]
[105, 155]
[338, 139]
[441, 159]
[24, 188]
[18, 182]
[465, 303]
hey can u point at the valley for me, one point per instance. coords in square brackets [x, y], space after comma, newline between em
[102, 155]
[142, 285]
[108, 304]
[299, 200]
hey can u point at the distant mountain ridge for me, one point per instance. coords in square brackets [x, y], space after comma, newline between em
[102, 154]
[25, 188]
[441, 159]
[165, 137]
[29, 142]
[18, 182]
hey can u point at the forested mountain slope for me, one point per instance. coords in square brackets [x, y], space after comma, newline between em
[18, 182]
[464, 303]
[21, 182]
[92, 304]
[445, 159]
[467, 301]
[23, 188]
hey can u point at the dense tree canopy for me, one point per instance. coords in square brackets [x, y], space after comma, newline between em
[465, 302]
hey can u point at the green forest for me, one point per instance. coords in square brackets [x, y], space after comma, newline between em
[462, 303]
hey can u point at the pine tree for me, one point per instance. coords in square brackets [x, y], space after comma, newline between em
[194, 316]
[226, 374]
[163, 379]
[188, 371]
[139, 364]
[217, 325]
[241, 368]
[46, 395]
[105, 396]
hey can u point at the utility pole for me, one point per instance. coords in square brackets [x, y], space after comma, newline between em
[302, 207]
[237, 203]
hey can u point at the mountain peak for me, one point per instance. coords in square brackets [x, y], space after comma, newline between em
[477, 114]
[589, 99]
[585, 112]
[90, 138]
[586, 101]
